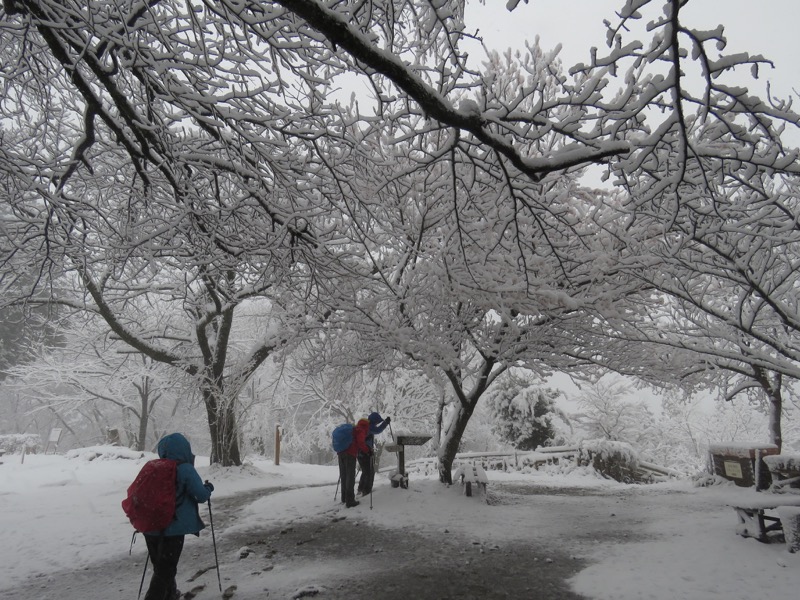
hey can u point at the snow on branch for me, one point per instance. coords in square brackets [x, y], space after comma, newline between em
[340, 33]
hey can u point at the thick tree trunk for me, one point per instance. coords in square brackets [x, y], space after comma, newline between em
[223, 429]
[772, 383]
[775, 399]
[454, 425]
[437, 442]
[144, 413]
[775, 432]
[450, 441]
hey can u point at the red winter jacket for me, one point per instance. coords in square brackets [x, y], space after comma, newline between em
[359, 439]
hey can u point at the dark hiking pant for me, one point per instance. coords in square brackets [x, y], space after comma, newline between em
[367, 473]
[347, 473]
[165, 552]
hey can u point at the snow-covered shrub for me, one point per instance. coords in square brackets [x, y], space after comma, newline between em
[708, 479]
[614, 460]
[523, 414]
[106, 452]
[14, 443]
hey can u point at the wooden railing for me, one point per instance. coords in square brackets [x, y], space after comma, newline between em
[504, 461]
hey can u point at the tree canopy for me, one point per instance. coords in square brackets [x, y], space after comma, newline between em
[197, 156]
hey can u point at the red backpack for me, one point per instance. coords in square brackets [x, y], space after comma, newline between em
[150, 504]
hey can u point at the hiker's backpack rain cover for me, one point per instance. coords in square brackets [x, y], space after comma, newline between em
[150, 504]
[342, 437]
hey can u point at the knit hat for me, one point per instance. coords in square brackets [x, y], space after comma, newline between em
[374, 418]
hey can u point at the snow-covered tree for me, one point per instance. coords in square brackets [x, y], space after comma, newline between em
[606, 413]
[523, 413]
[195, 152]
[712, 201]
[316, 388]
[91, 376]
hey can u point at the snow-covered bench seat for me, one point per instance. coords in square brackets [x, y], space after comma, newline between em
[785, 471]
[756, 512]
[469, 474]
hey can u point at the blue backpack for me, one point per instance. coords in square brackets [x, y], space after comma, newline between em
[342, 437]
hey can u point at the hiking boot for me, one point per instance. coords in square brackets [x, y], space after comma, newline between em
[352, 504]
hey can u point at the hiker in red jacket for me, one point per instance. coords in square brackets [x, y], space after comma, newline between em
[347, 462]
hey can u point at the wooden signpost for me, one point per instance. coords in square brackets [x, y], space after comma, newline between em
[400, 478]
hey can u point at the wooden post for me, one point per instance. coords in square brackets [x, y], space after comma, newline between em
[277, 444]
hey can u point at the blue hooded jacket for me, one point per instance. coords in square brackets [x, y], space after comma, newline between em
[376, 425]
[190, 489]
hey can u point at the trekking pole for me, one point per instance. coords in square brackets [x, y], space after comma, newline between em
[372, 488]
[337, 488]
[214, 539]
[141, 584]
[146, 560]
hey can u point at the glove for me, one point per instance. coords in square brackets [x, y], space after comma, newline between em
[387, 420]
[208, 485]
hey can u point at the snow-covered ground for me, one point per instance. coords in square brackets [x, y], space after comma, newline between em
[63, 513]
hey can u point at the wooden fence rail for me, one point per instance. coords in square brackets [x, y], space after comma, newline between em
[535, 458]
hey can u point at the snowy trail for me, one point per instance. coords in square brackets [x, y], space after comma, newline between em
[548, 536]
[327, 554]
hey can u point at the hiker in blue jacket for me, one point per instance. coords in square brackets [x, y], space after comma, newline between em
[366, 459]
[165, 547]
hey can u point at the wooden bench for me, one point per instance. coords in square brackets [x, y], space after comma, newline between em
[785, 472]
[754, 520]
[469, 474]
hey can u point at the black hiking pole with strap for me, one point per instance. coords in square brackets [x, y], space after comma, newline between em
[372, 488]
[146, 560]
[214, 539]
[141, 584]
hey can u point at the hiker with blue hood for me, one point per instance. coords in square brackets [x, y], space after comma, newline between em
[366, 460]
[165, 547]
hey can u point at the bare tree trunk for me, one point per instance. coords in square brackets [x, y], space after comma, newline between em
[144, 417]
[453, 429]
[437, 442]
[144, 413]
[450, 441]
[223, 429]
[772, 383]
